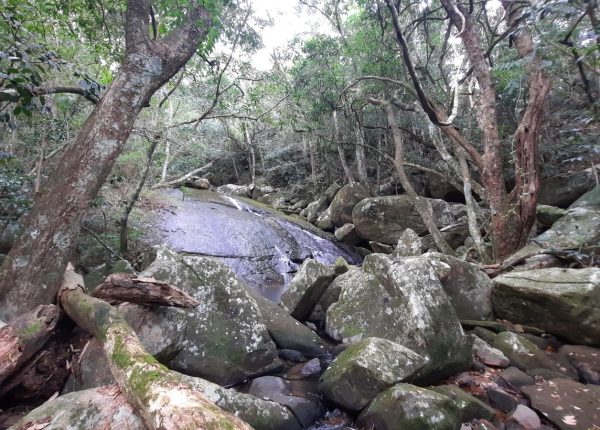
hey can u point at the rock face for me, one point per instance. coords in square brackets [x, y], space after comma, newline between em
[305, 290]
[365, 369]
[406, 406]
[97, 408]
[404, 302]
[564, 302]
[226, 340]
[468, 287]
[344, 201]
[567, 404]
[384, 219]
[562, 190]
[528, 357]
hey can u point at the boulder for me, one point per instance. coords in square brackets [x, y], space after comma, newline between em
[280, 391]
[548, 215]
[199, 184]
[347, 234]
[384, 219]
[315, 208]
[525, 417]
[585, 359]
[96, 408]
[288, 333]
[470, 407]
[590, 199]
[308, 370]
[528, 357]
[404, 302]
[344, 201]
[226, 340]
[567, 404]
[367, 368]
[306, 288]
[409, 244]
[235, 190]
[405, 406]
[564, 302]
[380, 248]
[9, 233]
[260, 413]
[468, 287]
[331, 295]
[90, 370]
[563, 189]
[324, 220]
[488, 355]
[275, 200]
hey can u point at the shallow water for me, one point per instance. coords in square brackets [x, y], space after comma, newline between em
[264, 248]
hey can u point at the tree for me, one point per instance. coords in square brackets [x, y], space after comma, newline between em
[32, 272]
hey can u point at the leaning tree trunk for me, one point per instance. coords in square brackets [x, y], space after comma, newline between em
[340, 148]
[159, 396]
[32, 272]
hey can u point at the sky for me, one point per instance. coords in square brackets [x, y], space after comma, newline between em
[288, 22]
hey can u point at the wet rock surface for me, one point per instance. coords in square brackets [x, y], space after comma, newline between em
[263, 247]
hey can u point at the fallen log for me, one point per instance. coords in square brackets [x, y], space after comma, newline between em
[162, 399]
[122, 287]
[180, 181]
[24, 336]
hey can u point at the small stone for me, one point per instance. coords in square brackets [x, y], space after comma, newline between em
[488, 355]
[409, 244]
[526, 417]
[292, 355]
[515, 378]
[305, 370]
[502, 400]
[381, 248]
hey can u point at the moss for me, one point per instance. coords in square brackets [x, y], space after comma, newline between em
[141, 379]
[30, 330]
[120, 356]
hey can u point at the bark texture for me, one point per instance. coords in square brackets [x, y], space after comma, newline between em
[32, 272]
[157, 395]
[21, 339]
[121, 287]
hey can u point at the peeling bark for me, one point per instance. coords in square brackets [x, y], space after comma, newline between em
[121, 287]
[21, 339]
[162, 399]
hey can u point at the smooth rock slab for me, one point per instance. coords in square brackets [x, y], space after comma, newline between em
[568, 404]
[226, 340]
[365, 369]
[404, 302]
[305, 290]
[565, 302]
[405, 406]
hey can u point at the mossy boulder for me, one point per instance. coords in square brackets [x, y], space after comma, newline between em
[470, 406]
[468, 287]
[226, 340]
[384, 219]
[564, 302]
[406, 406]
[344, 201]
[306, 288]
[402, 301]
[367, 368]
[526, 356]
[547, 215]
[96, 408]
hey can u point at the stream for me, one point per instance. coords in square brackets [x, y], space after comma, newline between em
[263, 247]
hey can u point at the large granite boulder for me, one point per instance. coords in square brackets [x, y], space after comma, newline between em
[470, 406]
[405, 406]
[306, 288]
[563, 189]
[384, 219]
[344, 201]
[468, 287]
[235, 190]
[318, 206]
[226, 340]
[367, 368]
[402, 301]
[564, 302]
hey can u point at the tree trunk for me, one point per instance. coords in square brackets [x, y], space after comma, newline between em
[181, 180]
[252, 155]
[166, 162]
[159, 396]
[340, 148]
[21, 339]
[422, 205]
[361, 159]
[123, 239]
[313, 163]
[32, 271]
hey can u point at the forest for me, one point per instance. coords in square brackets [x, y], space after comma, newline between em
[314, 214]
